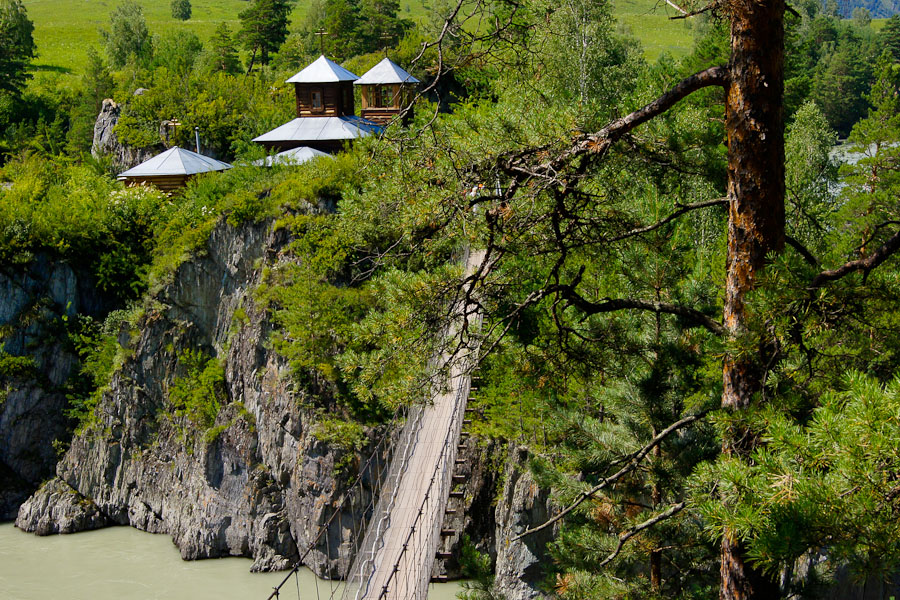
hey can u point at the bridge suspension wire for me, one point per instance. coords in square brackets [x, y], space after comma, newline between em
[372, 472]
[397, 554]
[409, 476]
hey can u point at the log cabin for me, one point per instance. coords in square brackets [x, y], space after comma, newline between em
[170, 171]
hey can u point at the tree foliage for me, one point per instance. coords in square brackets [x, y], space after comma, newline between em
[16, 46]
[128, 37]
[264, 27]
[181, 9]
[222, 52]
[347, 28]
[602, 190]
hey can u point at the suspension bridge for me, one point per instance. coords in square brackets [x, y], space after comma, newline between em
[398, 501]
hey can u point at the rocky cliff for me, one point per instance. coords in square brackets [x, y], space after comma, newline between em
[256, 483]
[523, 505]
[35, 301]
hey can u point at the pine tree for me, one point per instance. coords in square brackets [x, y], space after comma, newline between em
[16, 45]
[181, 9]
[264, 27]
[889, 36]
[223, 51]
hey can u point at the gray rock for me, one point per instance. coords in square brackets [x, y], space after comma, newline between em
[259, 488]
[522, 506]
[473, 515]
[106, 142]
[57, 508]
[259, 484]
[33, 300]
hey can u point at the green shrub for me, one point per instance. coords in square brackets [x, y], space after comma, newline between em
[13, 368]
[73, 212]
[16, 367]
[199, 393]
[346, 436]
[101, 355]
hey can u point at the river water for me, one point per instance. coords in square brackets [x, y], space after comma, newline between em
[122, 563]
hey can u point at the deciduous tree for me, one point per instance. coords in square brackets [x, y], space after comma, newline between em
[181, 9]
[16, 45]
[128, 36]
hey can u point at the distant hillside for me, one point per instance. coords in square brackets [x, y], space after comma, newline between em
[879, 9]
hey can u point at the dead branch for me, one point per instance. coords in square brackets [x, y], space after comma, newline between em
[624, 537]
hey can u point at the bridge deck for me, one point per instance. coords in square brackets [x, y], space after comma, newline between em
[429, 458]
[423, 486]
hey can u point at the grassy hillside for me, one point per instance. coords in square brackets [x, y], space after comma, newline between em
[649, 21]
[64, 29]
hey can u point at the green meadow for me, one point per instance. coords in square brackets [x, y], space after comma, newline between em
[65, 29]
[650, 21]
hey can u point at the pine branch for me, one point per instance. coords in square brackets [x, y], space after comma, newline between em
[518, 165]
[634, 462]
[617, 304]
[801, 250]
[682, 209]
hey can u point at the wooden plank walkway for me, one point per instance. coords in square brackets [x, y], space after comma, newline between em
[399, 563]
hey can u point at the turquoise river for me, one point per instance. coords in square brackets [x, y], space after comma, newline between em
[121, 563]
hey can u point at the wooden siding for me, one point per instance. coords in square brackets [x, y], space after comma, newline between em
[337, 99]
[381, 116]
[393, 98]
[165, 183]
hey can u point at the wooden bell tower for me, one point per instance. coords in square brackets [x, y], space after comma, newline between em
[324, 89]
[386, 90]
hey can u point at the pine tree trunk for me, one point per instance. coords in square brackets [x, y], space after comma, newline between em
[754, 124]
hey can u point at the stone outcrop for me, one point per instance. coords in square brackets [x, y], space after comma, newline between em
[106, 142]
[522, 505]
[35, 301]
[58, 508]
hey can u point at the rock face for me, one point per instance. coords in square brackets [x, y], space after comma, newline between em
[57, 508]
[472, 517]
[257, 484]
[106, 142]
[35, 301]
[522, 506]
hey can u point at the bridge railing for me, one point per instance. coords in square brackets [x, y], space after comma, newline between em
[358, 501]
[364, 566]
[412, 571]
